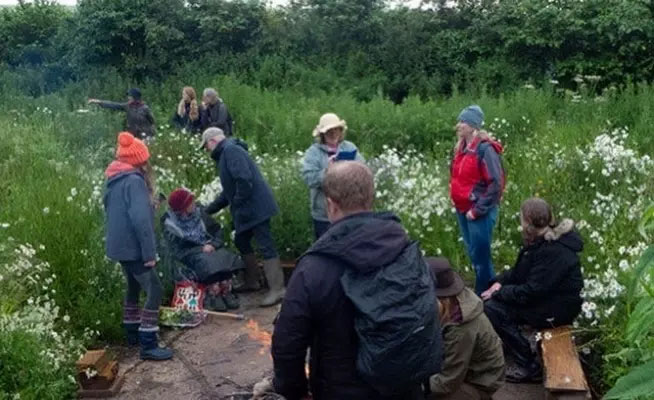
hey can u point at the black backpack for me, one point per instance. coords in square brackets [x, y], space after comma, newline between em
[396, 322]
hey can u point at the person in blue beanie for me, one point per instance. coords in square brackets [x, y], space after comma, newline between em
[477, 181]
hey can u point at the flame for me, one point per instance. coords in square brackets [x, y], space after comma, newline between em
[260, 335]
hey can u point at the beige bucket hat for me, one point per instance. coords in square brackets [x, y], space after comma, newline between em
[329, 121]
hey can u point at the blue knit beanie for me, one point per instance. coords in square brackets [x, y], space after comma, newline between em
[472, 115]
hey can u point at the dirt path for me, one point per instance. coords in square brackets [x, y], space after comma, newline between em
[219, 358]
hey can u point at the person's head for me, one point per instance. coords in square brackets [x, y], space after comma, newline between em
[447, 285]
[210, 96]
[349, 188]
[133, 94]
[188, 94]
[181, 201]
[535, 218]
[330, 129]
[131, 150]
[211, 138]
[469, 121]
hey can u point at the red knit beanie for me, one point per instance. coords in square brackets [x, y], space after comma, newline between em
[180, 199]
[131, 150]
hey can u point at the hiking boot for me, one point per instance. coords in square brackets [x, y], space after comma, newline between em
[132, 331]
[275, 276]
[252, 275]
[231, 301]
[150, 349]
[518, 374]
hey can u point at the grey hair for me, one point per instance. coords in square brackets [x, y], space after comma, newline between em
[210, 92]
[214, 132]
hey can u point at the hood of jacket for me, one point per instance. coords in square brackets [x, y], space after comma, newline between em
[218, 151]
[365, 241]
[470, 304]
[565, 234]
[484, 138]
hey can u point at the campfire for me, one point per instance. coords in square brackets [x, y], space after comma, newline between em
[260, 335]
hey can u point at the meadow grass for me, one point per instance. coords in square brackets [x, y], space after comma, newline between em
[586, 155]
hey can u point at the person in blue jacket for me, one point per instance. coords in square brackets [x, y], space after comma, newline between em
[330, 146]
[252, 205]
[130, 240]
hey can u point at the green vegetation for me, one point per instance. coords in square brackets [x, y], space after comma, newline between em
[399, 78]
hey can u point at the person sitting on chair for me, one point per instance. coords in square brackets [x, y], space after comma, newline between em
[195, 241]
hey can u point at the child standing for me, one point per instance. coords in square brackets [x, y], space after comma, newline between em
[187, 230]
[130, 240]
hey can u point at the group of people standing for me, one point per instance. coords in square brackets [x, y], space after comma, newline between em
[190, 116]
[363, 290]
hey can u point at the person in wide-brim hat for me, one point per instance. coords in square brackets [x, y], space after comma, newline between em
[329, 146]
[473, 359]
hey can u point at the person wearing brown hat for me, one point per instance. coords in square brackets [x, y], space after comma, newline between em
[195, 240]
[130, 240]
[330, 146]
[139, 119]
[473, 361]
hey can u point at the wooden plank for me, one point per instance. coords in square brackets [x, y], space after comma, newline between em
[563, 370]
[95, 359]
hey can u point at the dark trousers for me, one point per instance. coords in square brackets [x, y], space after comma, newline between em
[262, 235]
[506, 324]
[320, 227]
[138, 277]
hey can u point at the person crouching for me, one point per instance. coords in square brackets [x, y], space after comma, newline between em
[186, 229]
[473, 361]
[130, 240]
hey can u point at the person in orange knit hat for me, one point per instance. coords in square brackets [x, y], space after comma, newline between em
[130, 240]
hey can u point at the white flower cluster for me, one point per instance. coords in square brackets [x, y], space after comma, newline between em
[615, 157]
[413, 187]
[210, 191]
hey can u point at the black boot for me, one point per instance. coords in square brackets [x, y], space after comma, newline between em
[132, 330]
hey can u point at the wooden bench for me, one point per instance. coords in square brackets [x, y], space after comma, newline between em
[563, 376]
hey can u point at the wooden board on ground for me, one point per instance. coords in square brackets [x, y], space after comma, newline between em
[563, 373]
[95, 359]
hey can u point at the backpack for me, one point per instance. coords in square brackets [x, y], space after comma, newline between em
[481, 150]
[396, 322]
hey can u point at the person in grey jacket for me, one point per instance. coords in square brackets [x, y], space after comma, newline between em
[130, 240]
[215, 113]
[252, 205]
[195, 240]
[139, 121]
[330, 146]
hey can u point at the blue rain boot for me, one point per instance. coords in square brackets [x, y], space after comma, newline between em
[132, 330]
[150, 349]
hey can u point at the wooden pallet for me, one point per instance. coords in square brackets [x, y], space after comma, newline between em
[564, 378]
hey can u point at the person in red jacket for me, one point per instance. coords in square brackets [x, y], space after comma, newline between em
[476, 185]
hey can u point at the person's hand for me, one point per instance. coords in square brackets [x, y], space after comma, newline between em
[208, 248]
[151, 263]
[491, 290]
[93, 101]
[470, 215]
[331, 160]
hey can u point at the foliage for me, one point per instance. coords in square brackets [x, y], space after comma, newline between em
[365, 47]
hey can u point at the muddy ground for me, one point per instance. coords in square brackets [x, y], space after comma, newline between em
[220, 359]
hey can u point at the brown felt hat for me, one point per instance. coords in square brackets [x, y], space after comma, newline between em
[446, 281]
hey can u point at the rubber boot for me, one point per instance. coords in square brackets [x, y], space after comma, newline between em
[150, 349]
[275, 277]
[132, 331]
[252, 275]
